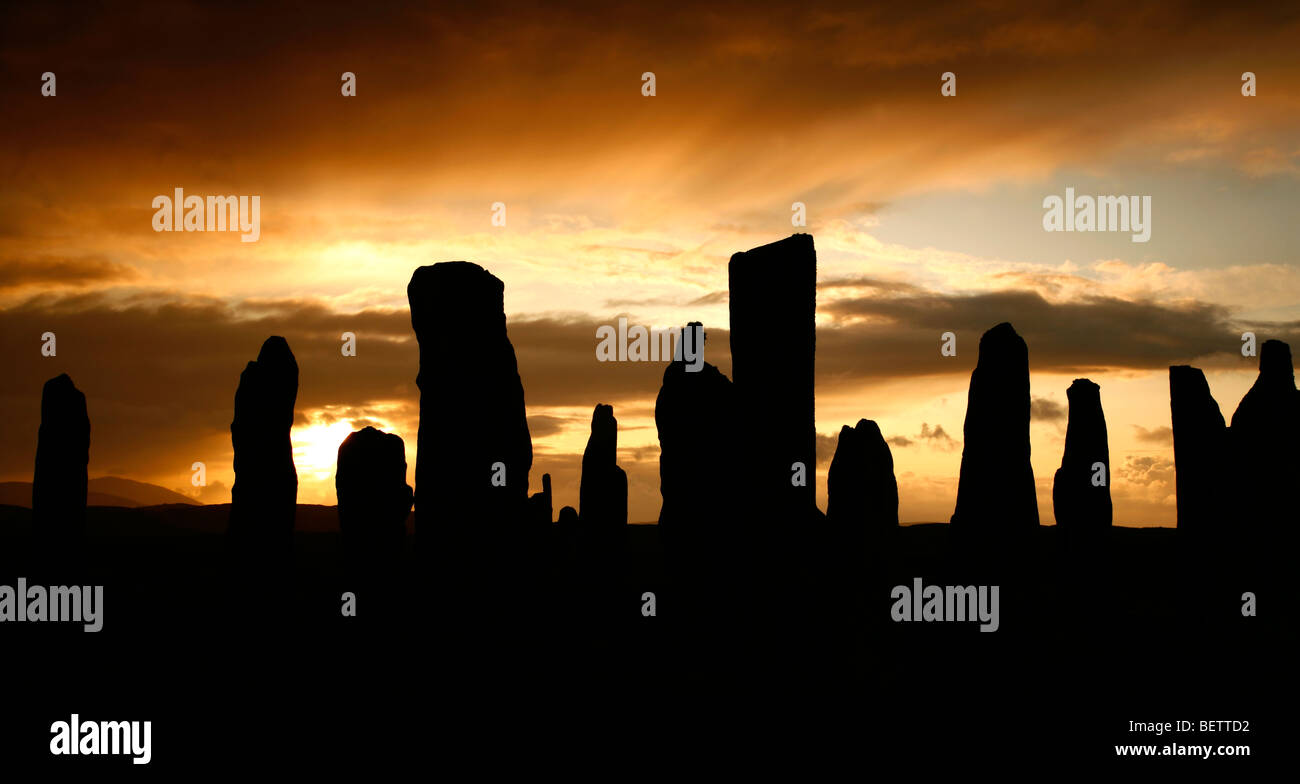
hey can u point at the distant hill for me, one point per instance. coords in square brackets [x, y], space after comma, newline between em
[104, 491]
[142, 493]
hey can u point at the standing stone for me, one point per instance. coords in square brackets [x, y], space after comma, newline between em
[602, 494]
[472, 418]
[1265, 430]
[601, 530]
[59, 481]
[1079, 502]
[1200, 454]
[373, 498]
[861, 490]
[705, 519]
[694, 414]
[1264, 436]
[541, 508]
[859, 553]
[264, 499]
[996, 499]
[773, 304]
[1211, 508]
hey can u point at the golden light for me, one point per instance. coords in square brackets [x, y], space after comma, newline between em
[316, 448]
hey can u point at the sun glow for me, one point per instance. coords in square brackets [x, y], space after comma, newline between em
[316, 448]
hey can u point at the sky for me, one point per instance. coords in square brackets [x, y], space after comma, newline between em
[927, 213]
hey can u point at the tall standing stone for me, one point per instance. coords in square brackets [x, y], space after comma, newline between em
[1211, 508]
[996, 498]
[474, 450]
[59, 481]
[1081, 490]
[695, 416]
[602, 494]
[705, 516]
[1265, 431]
[1200, 454]
[773, 303]
[858, 556]
[1264, 435]
[264, 500]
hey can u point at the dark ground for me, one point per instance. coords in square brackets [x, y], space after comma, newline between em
[548, 680]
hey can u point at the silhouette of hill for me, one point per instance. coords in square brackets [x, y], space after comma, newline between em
[104, 491]
[140, 493]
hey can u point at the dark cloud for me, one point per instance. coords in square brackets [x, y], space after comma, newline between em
[862, 282]
[1156, 435]
[540, 425]
[899, 334]
[712, 298]
[639, 454]
[826, 443]
[160, 372]
[58, 271]
[936, 435]
[1044, 409]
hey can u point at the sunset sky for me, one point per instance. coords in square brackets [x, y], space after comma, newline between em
[926, 213]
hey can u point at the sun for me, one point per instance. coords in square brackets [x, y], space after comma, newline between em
[316, 447]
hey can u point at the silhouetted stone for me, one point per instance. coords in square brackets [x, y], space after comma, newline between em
[995, 493]
[849, 573]
[1264, 435]
[568, 519]
[695, 416]
[373, 497]
[1079, 503]
[540, 535]
[265, 496]
[596, 540]
[602, 495]
[773, 303]
[1214, 504]
[861, 490]
[471, 412]
[1200, 453]
[704, 518]
[541, 509]
[59, 480]
[1271, 399]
